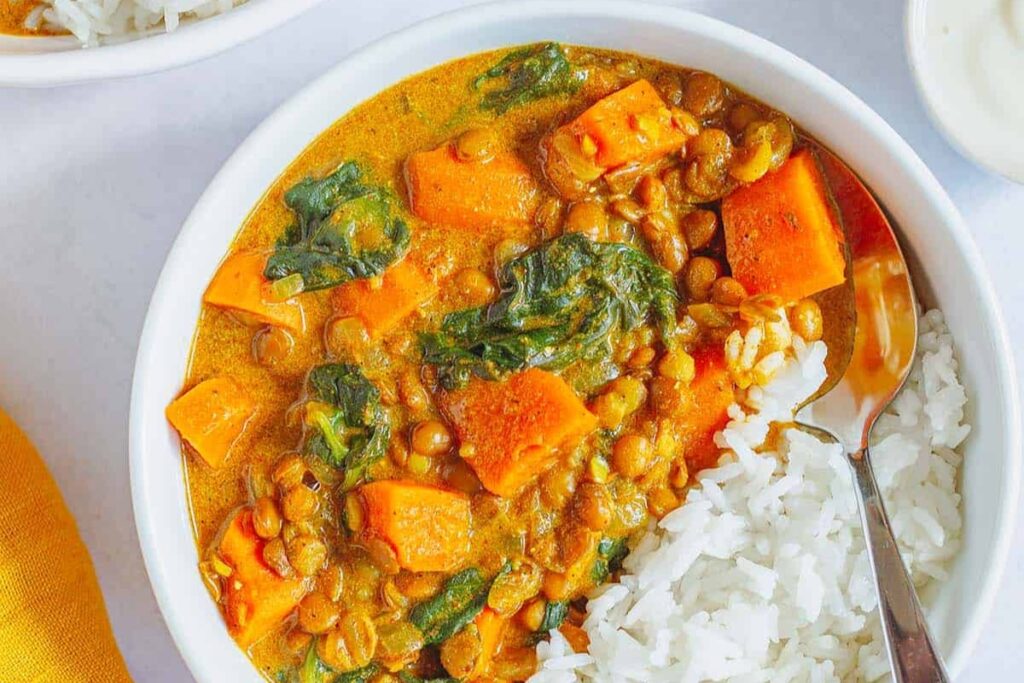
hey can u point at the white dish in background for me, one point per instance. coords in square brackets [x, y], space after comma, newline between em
[948, 272]
[61, 60]
[967, 57]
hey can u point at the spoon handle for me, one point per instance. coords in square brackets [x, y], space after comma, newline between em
[912, 653]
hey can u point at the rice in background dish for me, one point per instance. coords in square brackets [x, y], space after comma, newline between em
[763, 573]
[96, 21]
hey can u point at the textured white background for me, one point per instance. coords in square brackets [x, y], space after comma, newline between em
[96, 180]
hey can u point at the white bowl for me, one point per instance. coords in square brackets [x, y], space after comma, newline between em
[46, 61]
[968, 130]
[949, 273]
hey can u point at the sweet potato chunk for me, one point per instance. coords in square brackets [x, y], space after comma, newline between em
[469, 194]
[491, 627]
[632, 125]
[510, 431]
[780, 233]
[210, 416]
[256, 599]
[381, 306]
[239, 285]
[427, 526]
[699, 409]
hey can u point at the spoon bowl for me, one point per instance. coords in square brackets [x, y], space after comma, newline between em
[877, 363]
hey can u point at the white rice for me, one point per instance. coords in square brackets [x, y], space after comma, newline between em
[762, 575]
[97, 21]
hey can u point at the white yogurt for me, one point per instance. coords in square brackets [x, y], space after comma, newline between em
[970, 60]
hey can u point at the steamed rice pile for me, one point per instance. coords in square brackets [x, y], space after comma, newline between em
[763, 575]
[95, 21]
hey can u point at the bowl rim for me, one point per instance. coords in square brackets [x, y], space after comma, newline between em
[492, 13]
[913, 42]
[190, 42]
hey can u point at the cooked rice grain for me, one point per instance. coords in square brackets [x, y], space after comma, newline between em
[763, 574]
[97, 21]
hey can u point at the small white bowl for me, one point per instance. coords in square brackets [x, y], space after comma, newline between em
[969, 131]
[948, 272]
[29, 61]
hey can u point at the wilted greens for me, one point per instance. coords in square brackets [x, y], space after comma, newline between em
[559, 303]
[459, 602]
[352, 429]
[331, 215]
[528, 74]
[610, 554]
[554, 614]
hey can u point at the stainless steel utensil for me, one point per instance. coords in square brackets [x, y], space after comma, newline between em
[880, 356]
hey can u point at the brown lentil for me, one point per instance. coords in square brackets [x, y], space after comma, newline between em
[806, 320]
[631, 455]
[299, 503]
[317, 613]
[331, 582]
[289, 471]
[677, 365]
[512, 589]
[460, 653]
[477, 144]
[592, 505]
[701, 273]
[276, 557]
[272, 346]
[628, 210]
[727, 291]
[741, 115]
[475, 285]
[588, 218]
[398, 643]
[347, 338]
[641, 357]
[652, 193]
[350, 645]
[699, 227]
[556, 486]
[703, 94]
[431, 437]
[266, 520]
[419, 586]
[383, 555]
[306, 554]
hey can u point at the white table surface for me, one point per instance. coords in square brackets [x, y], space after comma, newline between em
[96, 180]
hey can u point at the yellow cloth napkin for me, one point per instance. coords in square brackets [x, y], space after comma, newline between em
[53, 625]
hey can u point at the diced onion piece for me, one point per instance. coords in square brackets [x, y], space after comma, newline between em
[582, 166]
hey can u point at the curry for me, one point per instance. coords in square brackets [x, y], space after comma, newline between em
[15, 19]
[473, 341]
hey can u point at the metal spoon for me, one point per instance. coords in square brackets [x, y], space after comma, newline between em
[880, 356]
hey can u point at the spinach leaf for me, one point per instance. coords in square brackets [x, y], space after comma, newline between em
[458, 603]
[554, 615]
[610, 554]
[531, 73]
[330, 213]
[559, 303]
[352, 428]
[313, 670]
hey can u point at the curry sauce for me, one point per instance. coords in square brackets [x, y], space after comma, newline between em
[13, 17]
[489, 335]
